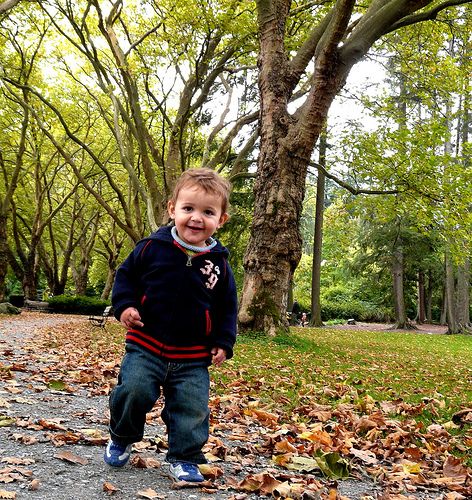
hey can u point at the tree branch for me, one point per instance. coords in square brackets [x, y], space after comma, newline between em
[7, 5]
[347, 186]
[306, 52]
[429, 15]
[142, 38]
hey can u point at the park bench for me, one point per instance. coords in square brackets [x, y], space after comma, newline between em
[36, 305]
[101, 320]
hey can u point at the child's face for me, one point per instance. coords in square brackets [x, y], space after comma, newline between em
[197, 215]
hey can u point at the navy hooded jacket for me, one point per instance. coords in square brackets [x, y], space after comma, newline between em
[188, 304]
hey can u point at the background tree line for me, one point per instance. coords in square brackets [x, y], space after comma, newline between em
[105, 104]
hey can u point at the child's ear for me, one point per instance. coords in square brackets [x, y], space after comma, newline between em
[223, 219]
[171, 209]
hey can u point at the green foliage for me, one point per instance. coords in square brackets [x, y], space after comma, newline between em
[77, 304]
[13, 285]
[355, 309]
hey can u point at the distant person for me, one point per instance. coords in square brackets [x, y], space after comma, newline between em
[295, 313]
[176, 295]
[304, 319]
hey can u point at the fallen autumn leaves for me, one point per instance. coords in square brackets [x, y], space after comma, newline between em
[262, 450]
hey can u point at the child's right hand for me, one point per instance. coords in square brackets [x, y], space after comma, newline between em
[130, 318]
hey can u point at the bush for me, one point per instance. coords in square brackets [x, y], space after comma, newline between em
[77, 304]
[355, 309]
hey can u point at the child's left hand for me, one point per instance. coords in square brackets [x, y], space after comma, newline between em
[219, 356]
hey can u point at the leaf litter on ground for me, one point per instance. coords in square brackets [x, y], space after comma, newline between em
[315, 406]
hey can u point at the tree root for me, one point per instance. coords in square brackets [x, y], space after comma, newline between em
[408, 325]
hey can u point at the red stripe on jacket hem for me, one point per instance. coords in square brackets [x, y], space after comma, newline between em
[133, 339]
[166, 347]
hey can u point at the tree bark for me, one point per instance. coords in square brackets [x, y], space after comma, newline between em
[421, 314]
[453, 325]
[7, 5]
[463, 294]
[429, 298]
[3, 256]
[6, 202]
[401, 320]
[318, 239]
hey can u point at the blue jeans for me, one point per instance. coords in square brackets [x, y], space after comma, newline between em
[186, 389]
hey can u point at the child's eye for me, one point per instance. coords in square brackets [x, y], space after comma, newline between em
[187, 209]
[209, 212]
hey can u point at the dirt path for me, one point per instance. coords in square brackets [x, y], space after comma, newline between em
[34, 418]
[427, 329]
[52, 441]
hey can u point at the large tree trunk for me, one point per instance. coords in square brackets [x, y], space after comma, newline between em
[3, 256]
[287, 142]
[6, 202]
[318, 239]
[30, 278]
[453, 325]
[443, 317]
[275, 245]
[429, 298]
[463, 294]
[401, 320]
[421, 306]
[457, 297]
[108, 284]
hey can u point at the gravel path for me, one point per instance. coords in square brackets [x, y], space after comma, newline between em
[30, 466]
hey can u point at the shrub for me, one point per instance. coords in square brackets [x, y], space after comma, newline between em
[77, 304]
[355, 309]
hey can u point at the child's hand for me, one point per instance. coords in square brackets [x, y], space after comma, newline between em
[219, 356]
[130, 317]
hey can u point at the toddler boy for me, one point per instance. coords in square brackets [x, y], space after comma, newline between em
[176, 295]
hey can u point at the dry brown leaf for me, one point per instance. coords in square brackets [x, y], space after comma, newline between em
[463, 417]
[71, 457]
[453, 467]
[178, 485]
[210, 471]
[263, 416]
[34, 485]
[7, 494]
[145, 462]
[109, 488]
[22, 438]
[17, 461]
[53, 424]
[321, 437]
[149, 493]
[282, 460]
[283, 490]
[285, 447]
[264, 483]
[12, 473]
[454, 496]
[366, 456]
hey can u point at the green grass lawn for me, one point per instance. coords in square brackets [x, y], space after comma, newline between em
[384, 365]
[432, 374]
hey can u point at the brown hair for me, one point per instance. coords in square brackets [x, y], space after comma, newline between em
[207, 179]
